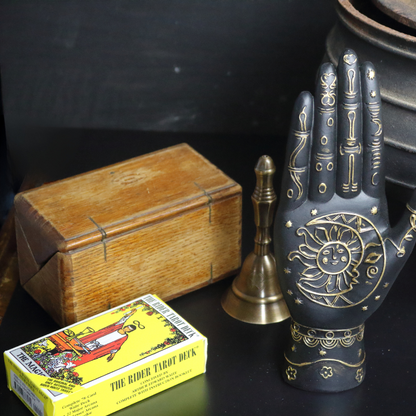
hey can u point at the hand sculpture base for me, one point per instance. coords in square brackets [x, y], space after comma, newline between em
[325, 360]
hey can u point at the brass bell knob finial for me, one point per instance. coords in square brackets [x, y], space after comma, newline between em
[255, 295]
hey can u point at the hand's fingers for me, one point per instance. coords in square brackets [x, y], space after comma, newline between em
[295, 179]
[349, 126]
[322, 170]
[373, 143]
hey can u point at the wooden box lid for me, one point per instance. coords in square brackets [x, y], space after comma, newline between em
[85, 209]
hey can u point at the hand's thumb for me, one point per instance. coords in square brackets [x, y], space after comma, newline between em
[403, 235]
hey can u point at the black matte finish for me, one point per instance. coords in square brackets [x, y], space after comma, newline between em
[337, 260]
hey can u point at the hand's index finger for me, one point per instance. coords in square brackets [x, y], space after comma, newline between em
[295, 179]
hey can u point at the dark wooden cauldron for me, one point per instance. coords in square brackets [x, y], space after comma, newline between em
[390, 44]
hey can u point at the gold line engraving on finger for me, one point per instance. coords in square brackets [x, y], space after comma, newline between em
[351, 147]
[295, 172]
[346, 106]
[328, 96]
[351, 93]
[350, 185]
[324, 156]
[375, 147]
[374, 110]
[351, 136]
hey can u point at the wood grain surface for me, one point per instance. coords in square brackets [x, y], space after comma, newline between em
[164, 223]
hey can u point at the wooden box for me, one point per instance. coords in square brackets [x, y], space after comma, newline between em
[167, 223]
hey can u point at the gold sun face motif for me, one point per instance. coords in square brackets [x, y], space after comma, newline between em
[333, 257]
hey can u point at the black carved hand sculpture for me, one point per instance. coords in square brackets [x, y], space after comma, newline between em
[336, 254]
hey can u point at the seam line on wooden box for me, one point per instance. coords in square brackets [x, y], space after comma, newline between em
[103, 237]
[209, 199]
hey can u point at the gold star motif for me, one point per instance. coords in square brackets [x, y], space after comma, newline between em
[288, 224]
[298, 301]
[287, 270]
[386, 285]
[371, 74]
[322, 352]
[372, 94]
[374, 210]
[289, 292]
[364, 308]
[314, 211]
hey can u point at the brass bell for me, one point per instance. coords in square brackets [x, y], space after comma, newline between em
[255, 295]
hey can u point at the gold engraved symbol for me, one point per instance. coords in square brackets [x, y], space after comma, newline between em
[326, 372]
[295, 172]
[359, 375]
[349, 58]
[374, 109]
[375, 146]
[351, 148]
[333, 256]
[351, 93]
[328, 96]
[291, 373]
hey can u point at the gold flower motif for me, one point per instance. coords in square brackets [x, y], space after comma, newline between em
[374, 210]
[287, 270]
[326, 372]
[288, 224]
[298, 301]
[365, 308]
[291, 373]
[373, 94]
[314, 211]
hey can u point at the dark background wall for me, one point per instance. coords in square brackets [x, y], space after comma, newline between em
[178, 66]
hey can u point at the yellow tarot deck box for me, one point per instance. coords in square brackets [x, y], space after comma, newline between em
[105, 363]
